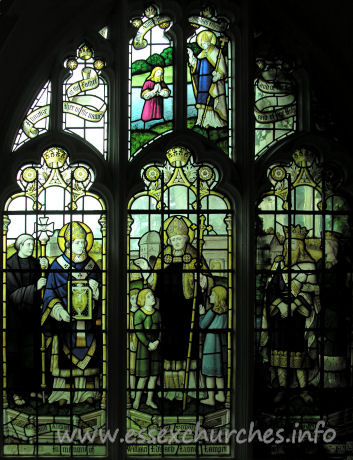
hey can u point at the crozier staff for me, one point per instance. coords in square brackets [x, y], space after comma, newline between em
[175, 286]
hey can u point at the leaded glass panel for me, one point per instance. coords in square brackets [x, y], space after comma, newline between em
[179, 309]
[54, 310]
[85, 98]
[275, 102]
[151, 79]
[36, 121]
[209, 79]
[303, 298]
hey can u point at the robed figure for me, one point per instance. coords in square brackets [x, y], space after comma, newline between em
[23, 338]
[214, 353]
[71, 316]
[173, 283]
[208, 72]
[290, 316]
[154, 90]
[147, 324]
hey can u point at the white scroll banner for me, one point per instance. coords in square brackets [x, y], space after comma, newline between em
[90, 81]
[280, 106]
[88, 107]
[274, 87]
[212, 25]
[80, 106]
[275, 108]
[139, 41]
[91, 108]
[31, 119]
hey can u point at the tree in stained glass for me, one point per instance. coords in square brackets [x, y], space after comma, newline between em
[36, 121]
[54, 309]
[179, 306]
[275, 102]
[151, 82]
[85, 98]
[304, 293]
[209, 84]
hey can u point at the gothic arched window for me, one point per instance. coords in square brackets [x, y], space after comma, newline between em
[177, 244]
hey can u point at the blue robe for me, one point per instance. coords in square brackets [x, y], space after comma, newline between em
[210, 95]
[204, 71]
[214, 356]
[57, 288]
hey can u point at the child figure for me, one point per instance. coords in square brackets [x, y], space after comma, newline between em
[147, 323]
[154, 90]
[132, 341]
[214, 355]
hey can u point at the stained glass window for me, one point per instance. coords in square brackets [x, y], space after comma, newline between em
[85, 99]
[275, 102]
[304, 292]
[36, 121]
[159, 111]
[209, 82]
[54, 309]
[151, 82]
[179, 311]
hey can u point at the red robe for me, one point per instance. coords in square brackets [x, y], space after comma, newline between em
[153, 108]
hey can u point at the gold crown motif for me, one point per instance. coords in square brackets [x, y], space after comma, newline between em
[55, 157]
[208, 12]
[178, 156]
[75, 231]
[85, 52]
[302, 156]
[150, 11]
[297, 232]
[177, 226]
[332, 236]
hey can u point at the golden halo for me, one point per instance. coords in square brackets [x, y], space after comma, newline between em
[188, 223]
[207, 36]
[89, 236]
